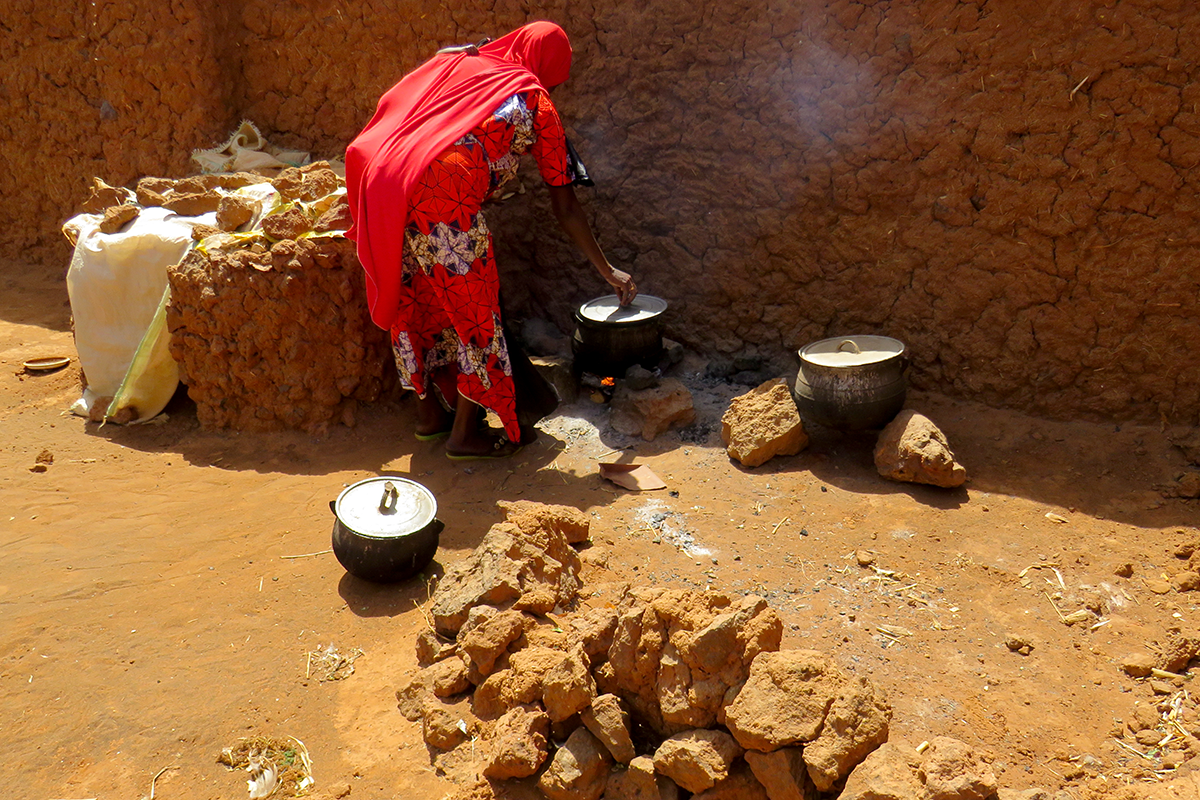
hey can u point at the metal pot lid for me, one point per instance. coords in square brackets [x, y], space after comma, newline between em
[608, 309]
[385, 507]
[851, 351]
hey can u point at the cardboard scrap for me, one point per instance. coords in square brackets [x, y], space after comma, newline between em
[635, 477]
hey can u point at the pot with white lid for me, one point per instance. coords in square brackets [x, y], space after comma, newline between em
[852, 383]
[610, 338]
[385, 529]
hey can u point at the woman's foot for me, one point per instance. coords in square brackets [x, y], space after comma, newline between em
[490, 446]
[471, 438]
[433, 420]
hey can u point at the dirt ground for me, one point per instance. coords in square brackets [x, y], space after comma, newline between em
[159, 599]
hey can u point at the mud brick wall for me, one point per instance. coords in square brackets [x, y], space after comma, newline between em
[110, 88]
[1010, 188]
[277, 338]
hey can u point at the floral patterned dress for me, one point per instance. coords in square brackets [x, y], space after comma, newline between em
[448, 335]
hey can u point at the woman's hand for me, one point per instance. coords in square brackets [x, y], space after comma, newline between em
[623, 283]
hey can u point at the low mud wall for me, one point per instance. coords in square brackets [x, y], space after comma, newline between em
[1009, 188]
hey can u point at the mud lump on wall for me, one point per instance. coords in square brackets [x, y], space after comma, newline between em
[1008, 188]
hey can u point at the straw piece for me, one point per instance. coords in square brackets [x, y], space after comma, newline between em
[310, 555]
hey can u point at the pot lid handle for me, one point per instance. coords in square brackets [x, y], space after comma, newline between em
[854, 347]
[387, 503]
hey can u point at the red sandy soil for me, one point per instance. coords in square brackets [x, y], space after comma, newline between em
[152, 609]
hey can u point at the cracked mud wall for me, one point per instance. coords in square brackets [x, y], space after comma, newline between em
[109, 88]
[1009, 188]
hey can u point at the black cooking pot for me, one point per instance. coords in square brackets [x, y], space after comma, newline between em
[610, 338]
[385, 529]
[852, 383]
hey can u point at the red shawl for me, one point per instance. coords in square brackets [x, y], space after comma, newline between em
[418, 118]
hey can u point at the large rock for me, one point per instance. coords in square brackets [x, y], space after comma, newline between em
[516, 746]
[609, 722]
[947, 770]
[486, 642]
[445, 726]
[697, 760]
[740, 785]
[579, 770]
[551, 633]
[784, 700]
[431, 647]
[649, 412]
[594, 629]
[783, 773]
[855, 725]
[639, 781]
[675, 654]
[762, 424]
[441, 679]
[889, 773]
[535, 518]
[912, 449]
[520, 683]
[568, 686]
[448, 677]
[233, 211]
[800, 697]
[103, 196]
[411, 698]
[953, 770]
[490, 574]
[528, 554]
[116, 217]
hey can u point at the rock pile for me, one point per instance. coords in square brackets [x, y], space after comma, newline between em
[270, 323]
[663, 691]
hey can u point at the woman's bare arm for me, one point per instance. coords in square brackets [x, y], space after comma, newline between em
[571, 217]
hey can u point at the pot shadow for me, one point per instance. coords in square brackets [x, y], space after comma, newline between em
[1122, 472]
[367, 599]
[846, 460]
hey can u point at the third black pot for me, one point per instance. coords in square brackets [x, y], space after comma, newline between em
[610, 338]
[852, 383]
[385, 529]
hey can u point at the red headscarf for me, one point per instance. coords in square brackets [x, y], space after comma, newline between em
[418, 118]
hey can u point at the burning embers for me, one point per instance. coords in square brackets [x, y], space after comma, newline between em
[600, 388]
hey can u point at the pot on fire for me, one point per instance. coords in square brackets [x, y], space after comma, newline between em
[851, 383]
[385, 529]
[610, 338]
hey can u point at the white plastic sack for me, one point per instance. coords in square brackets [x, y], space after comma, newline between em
[152, 376]
[116, 284]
